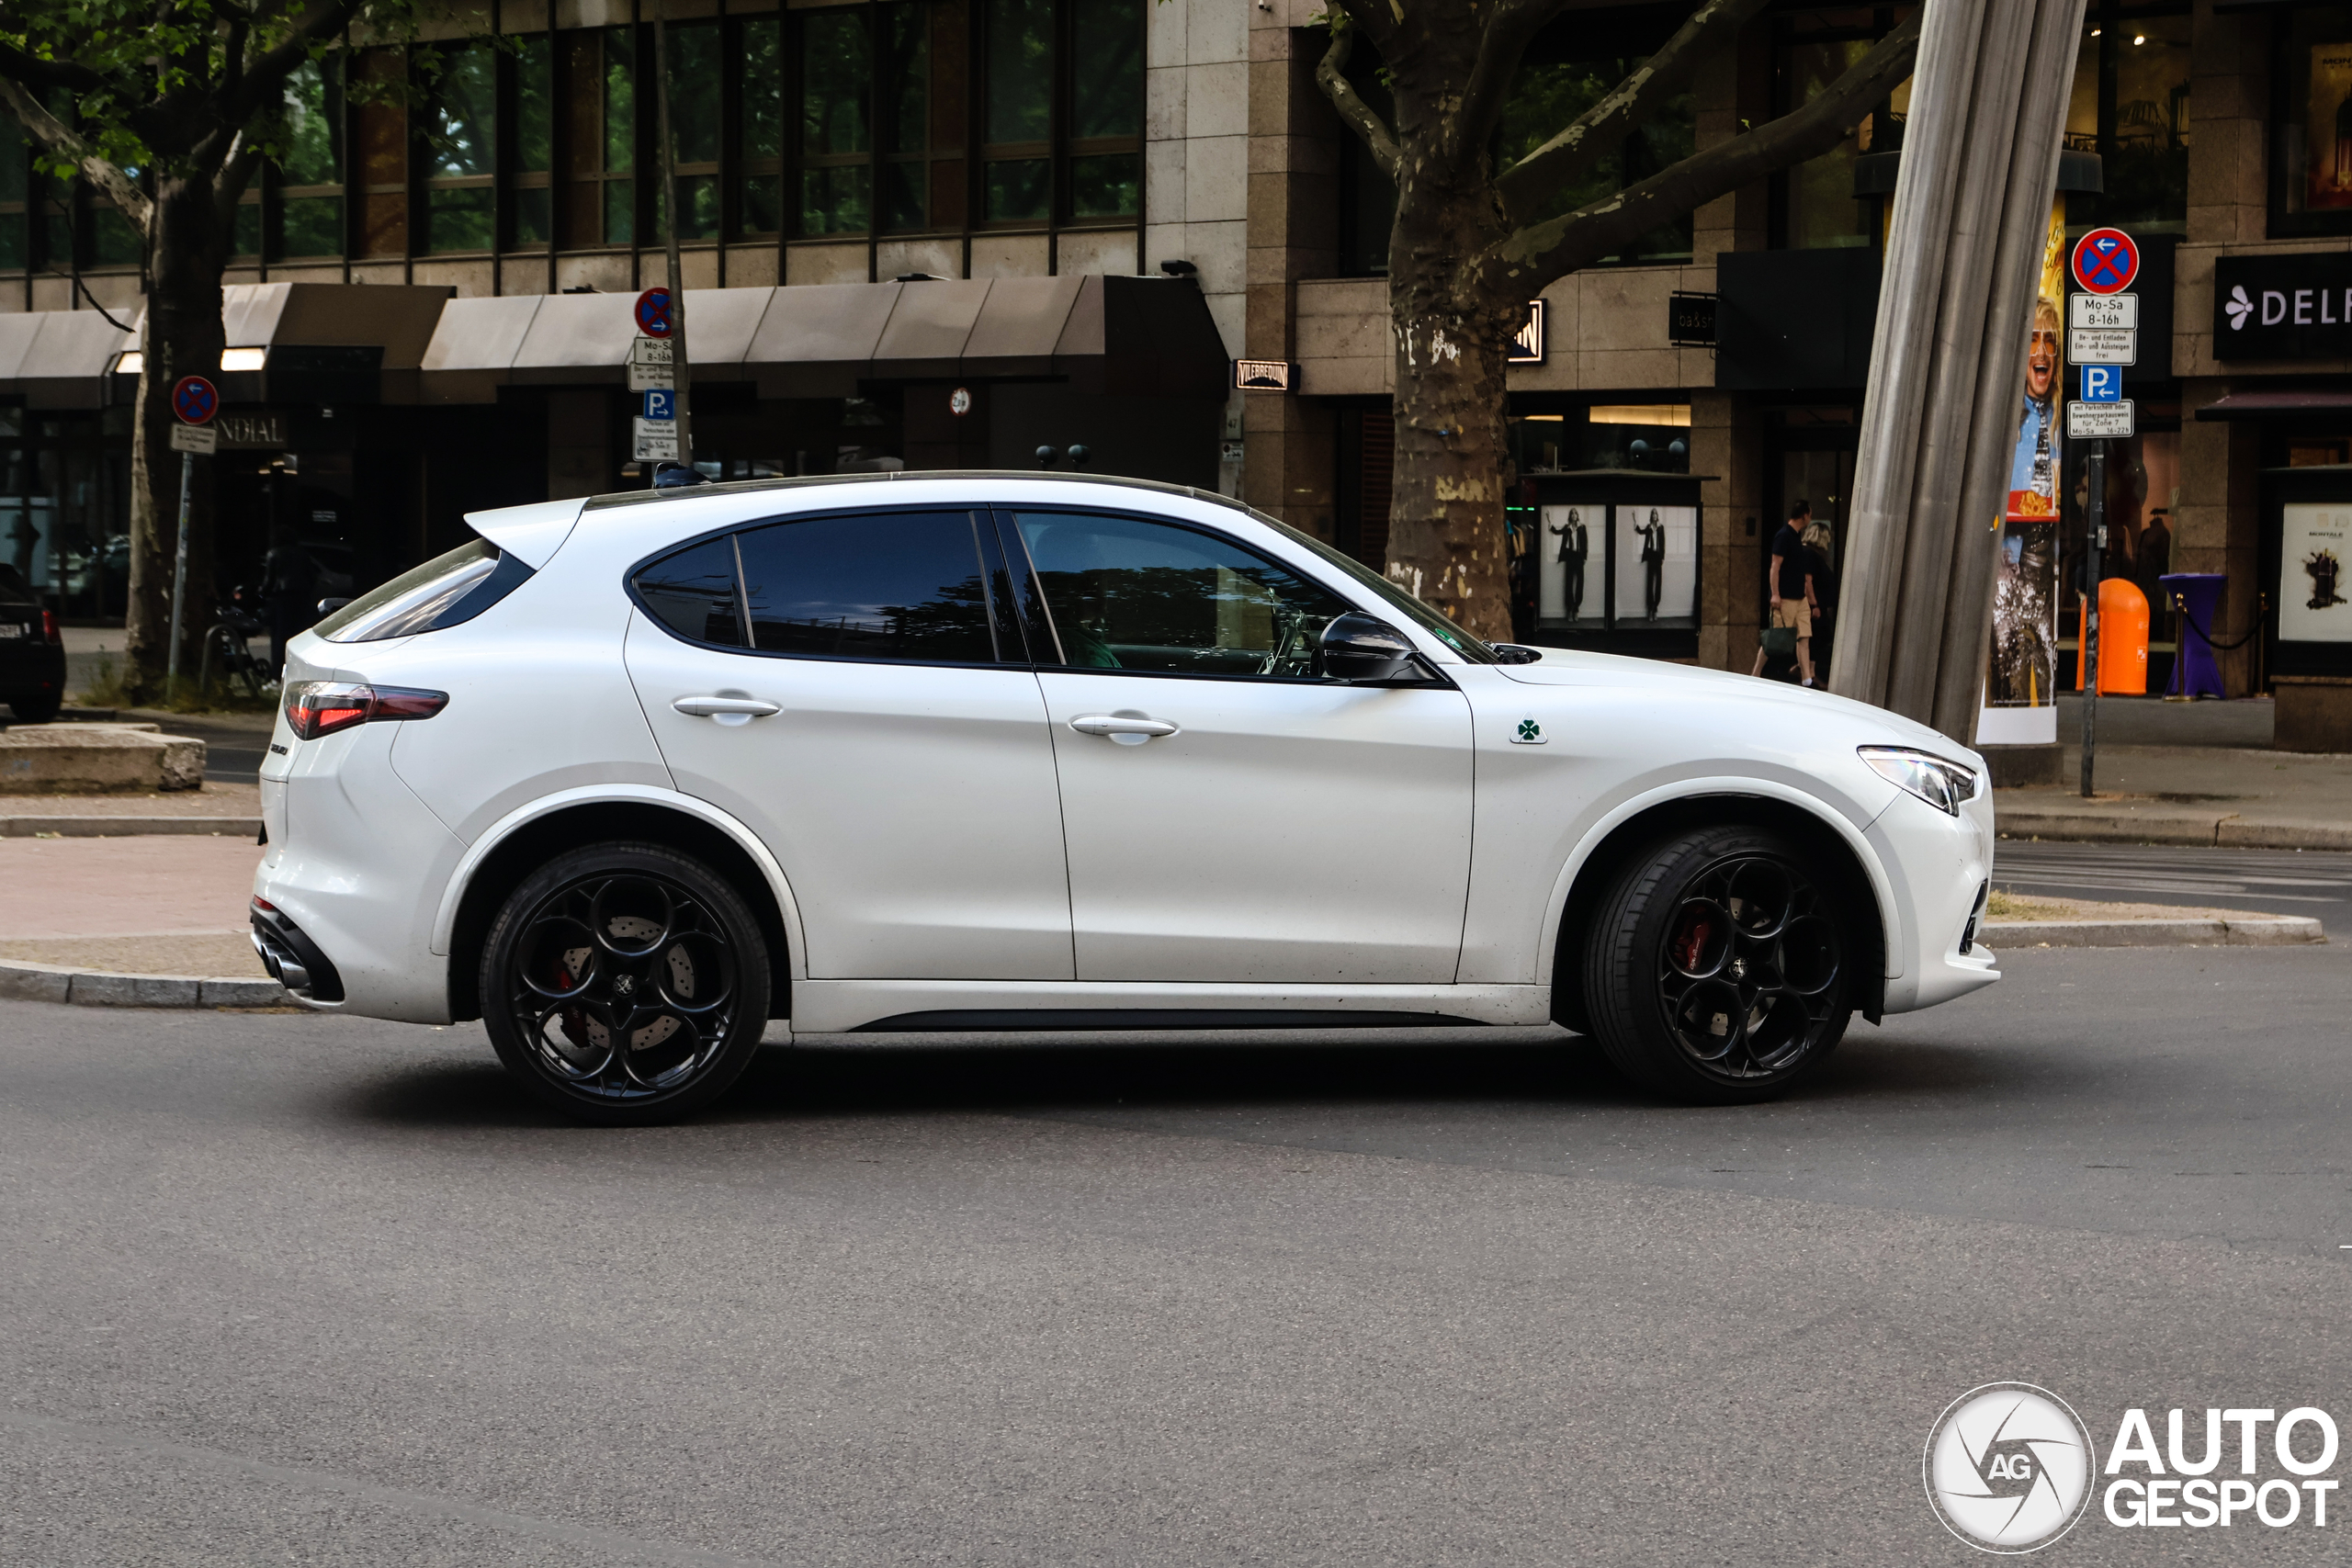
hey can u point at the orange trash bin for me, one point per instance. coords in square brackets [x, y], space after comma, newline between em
[2122, 640]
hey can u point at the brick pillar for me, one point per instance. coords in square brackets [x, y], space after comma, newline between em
[1292, 443]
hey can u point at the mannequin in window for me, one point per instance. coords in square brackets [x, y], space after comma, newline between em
[1653, 564]
[1573, 546]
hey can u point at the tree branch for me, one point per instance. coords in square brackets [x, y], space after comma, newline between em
[1380, 19]
[100, 172]
[236, 172]
[1331, 75]
[1539, 252]
[35, 71]
[265, 77]
[1598, 131]
[1501, 48]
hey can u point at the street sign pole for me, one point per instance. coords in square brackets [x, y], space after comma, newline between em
[179, 577]
[670, 230]
[2087, 653]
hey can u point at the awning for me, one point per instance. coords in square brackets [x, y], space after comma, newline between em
[2278, 405]
[59, 359]
[296, 343]
[1125, 335]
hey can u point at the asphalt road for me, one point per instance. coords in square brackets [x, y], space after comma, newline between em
[2273, 882]
[286, 1287]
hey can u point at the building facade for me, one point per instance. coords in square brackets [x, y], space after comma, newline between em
[1076, 212]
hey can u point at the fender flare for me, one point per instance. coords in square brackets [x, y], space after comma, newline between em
[1855, 839]
[453, 895]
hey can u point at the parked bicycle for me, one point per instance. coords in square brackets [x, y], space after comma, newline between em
[231, 643]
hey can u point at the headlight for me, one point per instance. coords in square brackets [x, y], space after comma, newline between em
[1940, 784]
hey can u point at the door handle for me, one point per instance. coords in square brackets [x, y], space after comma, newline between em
[713, 707]
[1127, 729]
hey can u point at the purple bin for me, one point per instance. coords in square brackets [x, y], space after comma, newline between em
[2199, 593]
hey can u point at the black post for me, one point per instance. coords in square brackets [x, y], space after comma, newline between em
[2087, 656]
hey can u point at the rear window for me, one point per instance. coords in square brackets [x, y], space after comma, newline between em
[447, 591]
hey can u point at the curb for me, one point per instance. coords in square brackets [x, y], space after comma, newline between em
[2225, 832]
[127, 827]
[2262, 931]
[96, 988]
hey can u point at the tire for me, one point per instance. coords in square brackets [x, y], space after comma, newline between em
[595, 979]
[1714, 971]
[36, 707]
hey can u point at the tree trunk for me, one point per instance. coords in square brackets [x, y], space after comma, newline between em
[182, 336]
[1446, 543]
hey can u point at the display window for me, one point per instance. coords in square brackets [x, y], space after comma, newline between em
[2310, 164]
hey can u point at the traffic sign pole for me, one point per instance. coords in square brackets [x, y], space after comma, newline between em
[194, 402]
[680, 368]
[2086, 652]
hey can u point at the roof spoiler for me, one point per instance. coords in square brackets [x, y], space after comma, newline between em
[530, 534]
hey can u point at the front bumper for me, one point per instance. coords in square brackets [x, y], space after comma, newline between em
[1940, 868]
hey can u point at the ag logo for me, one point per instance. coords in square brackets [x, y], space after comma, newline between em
[1529, 733]
[2008, 1467]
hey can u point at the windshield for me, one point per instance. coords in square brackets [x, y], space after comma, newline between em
[1472, 651]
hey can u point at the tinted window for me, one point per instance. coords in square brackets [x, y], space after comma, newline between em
[447, 591]
[892, 585]
[693, 593]
[1127, 595]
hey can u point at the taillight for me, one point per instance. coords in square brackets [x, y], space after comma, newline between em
[321, 707]
[49, 632]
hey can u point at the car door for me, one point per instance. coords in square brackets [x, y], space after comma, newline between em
[841, 684]
[1228, 815]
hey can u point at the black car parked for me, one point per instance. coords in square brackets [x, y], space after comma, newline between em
[33, 653]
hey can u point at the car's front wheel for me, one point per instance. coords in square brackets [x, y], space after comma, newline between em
[625, 984]
[1716, 967]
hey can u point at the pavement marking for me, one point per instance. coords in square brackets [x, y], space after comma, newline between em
[367, 1491]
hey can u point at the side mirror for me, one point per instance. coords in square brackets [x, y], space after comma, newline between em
[329, 606]
[1357, 648]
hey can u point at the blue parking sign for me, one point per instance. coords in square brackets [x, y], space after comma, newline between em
[2101, 384]
[661, 404]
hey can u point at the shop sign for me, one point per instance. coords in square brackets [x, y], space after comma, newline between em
[2283, 307]
[254, 429]
[1527, 344]
[1264, 375]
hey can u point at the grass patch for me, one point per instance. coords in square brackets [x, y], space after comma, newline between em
[2009, 907]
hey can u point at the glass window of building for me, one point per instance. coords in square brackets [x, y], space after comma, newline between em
[1569, 68]
[600, 101]
[459, 132]
[531, 196]
[2310, 164]
[836, 124]
[379, 136]
[759, 169]
[2130, 107]
[16, 186]
[1106, 110]
[310, 164]
[1815, 207]
[1017, 125]
[693, 128]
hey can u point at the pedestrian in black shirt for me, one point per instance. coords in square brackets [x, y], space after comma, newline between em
[1792, 584]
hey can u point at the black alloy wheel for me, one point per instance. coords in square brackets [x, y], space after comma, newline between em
[1717, 970]
[626, 983]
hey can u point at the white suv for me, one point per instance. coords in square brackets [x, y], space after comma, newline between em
[630, 777]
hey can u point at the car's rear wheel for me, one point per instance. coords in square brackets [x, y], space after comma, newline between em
[1716, 968]
[625, 984]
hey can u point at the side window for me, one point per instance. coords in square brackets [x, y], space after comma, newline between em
[693, 593]
[904, 585]
[1130, 595]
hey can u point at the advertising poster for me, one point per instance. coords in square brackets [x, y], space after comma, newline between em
[2315, 574]
[1564, 544]
[2021, 664]
[2327, 160]
[1657, 565]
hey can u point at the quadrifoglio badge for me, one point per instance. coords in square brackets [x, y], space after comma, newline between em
[2010, 1468]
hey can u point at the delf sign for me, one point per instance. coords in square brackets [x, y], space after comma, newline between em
[2290, 306]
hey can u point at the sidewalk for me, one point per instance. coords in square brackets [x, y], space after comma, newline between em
[2185, 773]
[147, 905]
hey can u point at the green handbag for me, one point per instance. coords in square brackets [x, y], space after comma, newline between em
[1779, 642]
